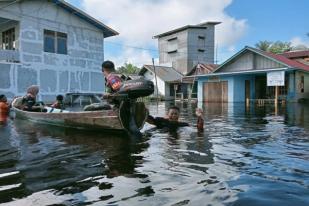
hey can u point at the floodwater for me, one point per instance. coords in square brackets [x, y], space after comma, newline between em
[245, 156]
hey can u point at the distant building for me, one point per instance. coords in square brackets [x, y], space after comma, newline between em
[165, 77]
[52, 44]
[184, 49]
[187, 46]
[249, 74]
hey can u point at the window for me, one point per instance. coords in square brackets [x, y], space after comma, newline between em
[201, 37]
[201, 50]
[55, 42]
[8, 39]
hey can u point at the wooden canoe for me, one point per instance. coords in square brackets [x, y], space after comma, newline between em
[102, 120]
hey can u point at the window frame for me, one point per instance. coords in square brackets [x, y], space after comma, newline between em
[56, 36]
[9, 39]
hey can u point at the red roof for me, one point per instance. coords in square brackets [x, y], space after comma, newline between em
[296, 54]
[283, 59]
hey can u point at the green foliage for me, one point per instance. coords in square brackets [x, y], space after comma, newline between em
[128, 68]
[274, 47]
[263, 45]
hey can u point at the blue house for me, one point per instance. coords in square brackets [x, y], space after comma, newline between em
[254, 74]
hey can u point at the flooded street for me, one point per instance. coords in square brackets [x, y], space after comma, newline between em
[245, 156]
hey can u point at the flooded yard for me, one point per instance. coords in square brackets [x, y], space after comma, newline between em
[246, 156]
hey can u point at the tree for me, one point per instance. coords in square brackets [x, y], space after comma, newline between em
[274, 47]
[128, 68]
[263, 45]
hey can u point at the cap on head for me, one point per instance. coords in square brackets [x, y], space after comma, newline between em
[108, 66]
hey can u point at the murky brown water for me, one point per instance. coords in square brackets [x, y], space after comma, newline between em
[246, 156]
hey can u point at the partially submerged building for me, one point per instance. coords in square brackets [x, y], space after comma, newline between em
[182, 50]
[52, 44]
[252, 74]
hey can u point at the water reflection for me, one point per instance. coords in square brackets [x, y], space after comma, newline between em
[245, 156]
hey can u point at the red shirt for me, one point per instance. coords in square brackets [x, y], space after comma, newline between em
[113, 82]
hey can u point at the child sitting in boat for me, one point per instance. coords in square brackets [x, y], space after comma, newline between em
[170, 121]
[58, 104]
[4, 109]
[29, 100]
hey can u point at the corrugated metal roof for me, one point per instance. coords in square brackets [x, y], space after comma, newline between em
[296, 54]
[198, 26]
[167, 74]
[275, 57]
[202, 69]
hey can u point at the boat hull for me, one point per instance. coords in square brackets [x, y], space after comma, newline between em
[105, 120]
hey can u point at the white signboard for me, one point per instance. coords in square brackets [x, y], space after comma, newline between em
[275, 78]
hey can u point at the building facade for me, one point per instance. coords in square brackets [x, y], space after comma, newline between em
[185, 47]
[51, 44]
[246, 76]
[164, 83]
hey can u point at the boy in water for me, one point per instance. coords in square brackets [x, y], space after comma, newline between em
[170, 121]
[200, 119]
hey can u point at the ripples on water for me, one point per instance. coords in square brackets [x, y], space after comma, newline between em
[246, 156]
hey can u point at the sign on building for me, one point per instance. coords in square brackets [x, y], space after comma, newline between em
[275, 78]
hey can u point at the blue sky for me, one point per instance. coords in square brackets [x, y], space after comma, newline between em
[271, 19]
[244, 22]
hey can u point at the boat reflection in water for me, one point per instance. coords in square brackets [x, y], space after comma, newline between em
[49, 157]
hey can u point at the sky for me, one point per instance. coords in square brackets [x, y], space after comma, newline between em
[244, 23]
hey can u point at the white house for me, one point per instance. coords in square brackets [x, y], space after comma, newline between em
[52, 44]
[165, 78]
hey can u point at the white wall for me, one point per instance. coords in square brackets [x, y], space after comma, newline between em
[78, 71]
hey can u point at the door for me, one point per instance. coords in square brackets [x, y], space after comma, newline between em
[216, 92]
[247, 89]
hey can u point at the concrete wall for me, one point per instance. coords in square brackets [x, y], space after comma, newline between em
[188, 46]
[179, 58]
[78, 71]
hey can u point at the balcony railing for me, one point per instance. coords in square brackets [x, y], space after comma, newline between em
[9, 55]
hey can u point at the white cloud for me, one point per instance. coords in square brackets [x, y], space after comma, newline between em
[296, 41]
[138, 21]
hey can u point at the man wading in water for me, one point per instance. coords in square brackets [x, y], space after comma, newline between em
[170, 122]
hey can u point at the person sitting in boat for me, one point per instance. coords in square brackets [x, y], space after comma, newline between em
[4, 109]
[29, 100]
[170, 121]
[112, 81]
[58, 104]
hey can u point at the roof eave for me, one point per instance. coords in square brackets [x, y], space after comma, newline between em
[107, 31]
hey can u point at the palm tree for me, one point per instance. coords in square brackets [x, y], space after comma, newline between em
[263, 45]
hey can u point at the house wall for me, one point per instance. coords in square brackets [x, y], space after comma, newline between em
[161, 84]
[236, 87]
[249, 61]
[78, 71]
[298, 94]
